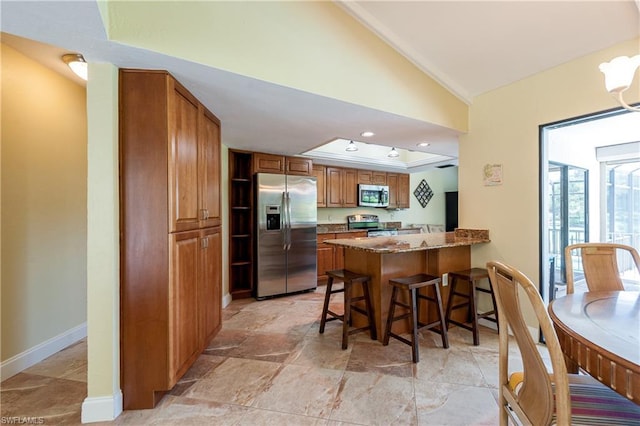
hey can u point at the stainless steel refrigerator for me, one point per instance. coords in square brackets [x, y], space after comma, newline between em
[286, 244]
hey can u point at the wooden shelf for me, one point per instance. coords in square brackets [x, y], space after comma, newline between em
[241, 224]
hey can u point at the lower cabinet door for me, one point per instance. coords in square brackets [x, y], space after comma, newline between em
[183, 281]
[210, 285]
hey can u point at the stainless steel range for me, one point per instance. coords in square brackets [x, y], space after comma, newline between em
[369, 223]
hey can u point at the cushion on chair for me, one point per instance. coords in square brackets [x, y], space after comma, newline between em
[592, 403]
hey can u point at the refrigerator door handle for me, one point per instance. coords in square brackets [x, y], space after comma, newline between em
[288, 226]
[283, 220]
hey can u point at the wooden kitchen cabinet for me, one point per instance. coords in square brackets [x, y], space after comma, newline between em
[325, 255]
[341, 186]
[370, 177]
[183, 296]
[209, 147]
[320, 173]
[209, 285]
[268, 163]
[398, 190]
[280, 164]
[404, 191]
[298, 166]
[183, 138]
[330, 256]
[170, 289]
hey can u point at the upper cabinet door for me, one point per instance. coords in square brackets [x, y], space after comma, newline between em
[209, 164]
[334, 184]
[299, 166]
[403, 191]
[183, 160]
[350, 188]
[392, 182]
[268, 163]
[320, 173]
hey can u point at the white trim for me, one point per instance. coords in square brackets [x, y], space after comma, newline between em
[101, 408]
[30, 357]
[226, 299]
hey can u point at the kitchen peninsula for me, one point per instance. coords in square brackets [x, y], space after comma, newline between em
[384, 258]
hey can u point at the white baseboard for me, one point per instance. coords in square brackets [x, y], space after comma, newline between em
[102, 408]
[226, 300]
[26, 359]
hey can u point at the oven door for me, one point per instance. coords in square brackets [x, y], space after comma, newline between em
[373, 195]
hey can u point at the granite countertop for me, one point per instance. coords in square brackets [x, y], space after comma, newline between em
[415, 242]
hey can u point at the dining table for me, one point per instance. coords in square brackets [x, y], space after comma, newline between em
[599, 332]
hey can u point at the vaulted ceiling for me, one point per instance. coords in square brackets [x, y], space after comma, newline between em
[469, 47]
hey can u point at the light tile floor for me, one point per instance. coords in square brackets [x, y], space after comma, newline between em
[270, 366]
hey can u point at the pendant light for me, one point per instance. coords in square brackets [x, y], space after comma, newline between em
[351, 147]
[393, 153]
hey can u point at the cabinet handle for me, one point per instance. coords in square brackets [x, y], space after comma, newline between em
[205, 243]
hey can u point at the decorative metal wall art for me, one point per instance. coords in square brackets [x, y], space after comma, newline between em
[423, 193]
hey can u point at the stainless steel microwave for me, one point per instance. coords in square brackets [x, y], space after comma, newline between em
[373, 195]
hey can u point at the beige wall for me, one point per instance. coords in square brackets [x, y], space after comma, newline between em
[44, 220]
[504, 126]
[311, 46]
[103, 249]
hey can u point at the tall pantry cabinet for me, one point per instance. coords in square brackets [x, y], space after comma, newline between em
[170, 242]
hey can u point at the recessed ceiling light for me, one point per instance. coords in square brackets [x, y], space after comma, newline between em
[367, 134]
[423, 144]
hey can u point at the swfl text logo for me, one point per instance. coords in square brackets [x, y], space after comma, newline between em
[18, 420]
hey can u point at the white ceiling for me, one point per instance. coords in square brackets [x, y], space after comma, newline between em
[470, 47]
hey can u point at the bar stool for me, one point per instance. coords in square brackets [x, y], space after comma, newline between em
[349, 278]
[413, 284]
[472, 276]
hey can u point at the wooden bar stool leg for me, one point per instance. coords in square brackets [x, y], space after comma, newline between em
[443, 329]
[414, 324]
[347, 314]
[392, 308]
[370, 315]
[325, 307]
[452, 290]
[474, 313]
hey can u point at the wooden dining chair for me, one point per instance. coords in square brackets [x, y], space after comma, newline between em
[600, 265]
[534, 395]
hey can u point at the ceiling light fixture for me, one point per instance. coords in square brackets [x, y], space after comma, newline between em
[393, 153]
[351, 147]
[77, 64]
[423, 144]
[618, 76]
[367, 134]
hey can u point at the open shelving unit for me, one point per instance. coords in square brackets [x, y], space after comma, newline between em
[241, 224]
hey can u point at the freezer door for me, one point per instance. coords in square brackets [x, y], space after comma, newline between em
[271, 254]
[301, 256]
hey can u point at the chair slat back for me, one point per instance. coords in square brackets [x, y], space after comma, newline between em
[600, 265]
[535, 399]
